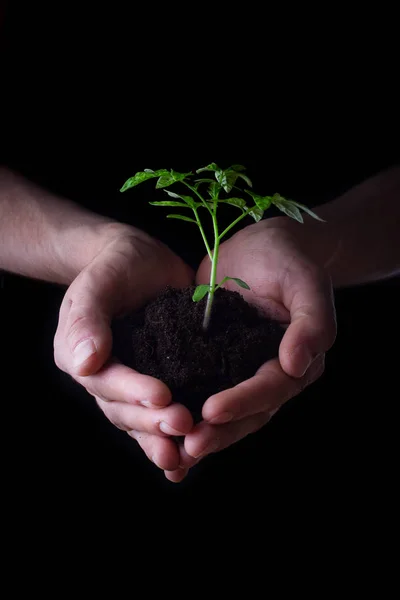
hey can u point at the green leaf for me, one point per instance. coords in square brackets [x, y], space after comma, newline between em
[256, 213]
[169, 203]
[227, 179]
[238, 202]
[168, 178]
[200, 292]
[238, 168]
[262, 202]
[205, 180]
[307, 210]
[240, 282]
[214, 189]
[188, 199]
[288, 207]
[172, 194]
[246, 179]
[182, 218]
[142, 176]
[210, 167]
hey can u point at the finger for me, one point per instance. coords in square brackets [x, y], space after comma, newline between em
[175, 420]
[186, 462]
[268, 390]
[307, 293]
[118, 383]
[206, 439]
[163, 452]
[83, 339]
[176, 476]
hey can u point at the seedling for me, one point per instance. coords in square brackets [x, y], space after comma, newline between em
[220, 185]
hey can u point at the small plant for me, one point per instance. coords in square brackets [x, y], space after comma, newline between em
[219, 187]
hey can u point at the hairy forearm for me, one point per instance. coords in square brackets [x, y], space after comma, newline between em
[43, 236]
[360, 241]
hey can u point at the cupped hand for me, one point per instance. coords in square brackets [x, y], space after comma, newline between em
[288, 286]
[130, 269]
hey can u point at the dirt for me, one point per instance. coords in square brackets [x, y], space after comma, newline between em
[166, 340]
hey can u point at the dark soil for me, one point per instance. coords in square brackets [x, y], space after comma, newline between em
[166, 340]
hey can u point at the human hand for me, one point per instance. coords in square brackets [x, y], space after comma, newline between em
[290, 287]
[129, 269]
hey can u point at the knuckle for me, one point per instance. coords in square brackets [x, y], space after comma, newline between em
[77, 328]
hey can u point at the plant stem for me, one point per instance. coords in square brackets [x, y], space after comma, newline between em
[203, 234]
[193, 189]
[213, 277]
[235, 223]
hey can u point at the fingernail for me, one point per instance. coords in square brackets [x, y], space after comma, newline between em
[212, 447]
[82, 351]
[165, 428]
[304, 360]
[224, 417]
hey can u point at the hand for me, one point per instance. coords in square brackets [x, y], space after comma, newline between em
[289, 287]
[130, 269]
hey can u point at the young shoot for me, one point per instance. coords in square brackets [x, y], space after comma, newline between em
[218, 187]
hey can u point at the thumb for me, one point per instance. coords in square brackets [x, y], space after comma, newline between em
[312, 329]
[83, 340]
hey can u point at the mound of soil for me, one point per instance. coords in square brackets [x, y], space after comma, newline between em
[166, 340]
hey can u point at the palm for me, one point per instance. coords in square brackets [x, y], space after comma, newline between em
[129, 272]
[284, 283]
[290, 288]
[262, 255]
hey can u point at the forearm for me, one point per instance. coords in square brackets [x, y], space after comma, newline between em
[43, 236]
[360, 241]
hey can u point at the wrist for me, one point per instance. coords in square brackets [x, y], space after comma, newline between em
[75, 249]
[315, 239]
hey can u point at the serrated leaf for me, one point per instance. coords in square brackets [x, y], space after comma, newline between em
[169, 178]
[227, 179]
[262, 202]
[238, 202]
[288, 207]
[308, 211]
[169, 203]
[142, 176]
[165, 181]
[210, 167]
[256, 213]
[200, 292]
[188, 199]
[182, 218]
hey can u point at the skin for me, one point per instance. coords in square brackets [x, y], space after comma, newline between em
[108, 286]
[109, 268]
[289, 287]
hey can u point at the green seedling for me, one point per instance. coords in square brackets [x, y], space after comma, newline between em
[221, 188]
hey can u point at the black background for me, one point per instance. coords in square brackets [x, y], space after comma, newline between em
[77, 120]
